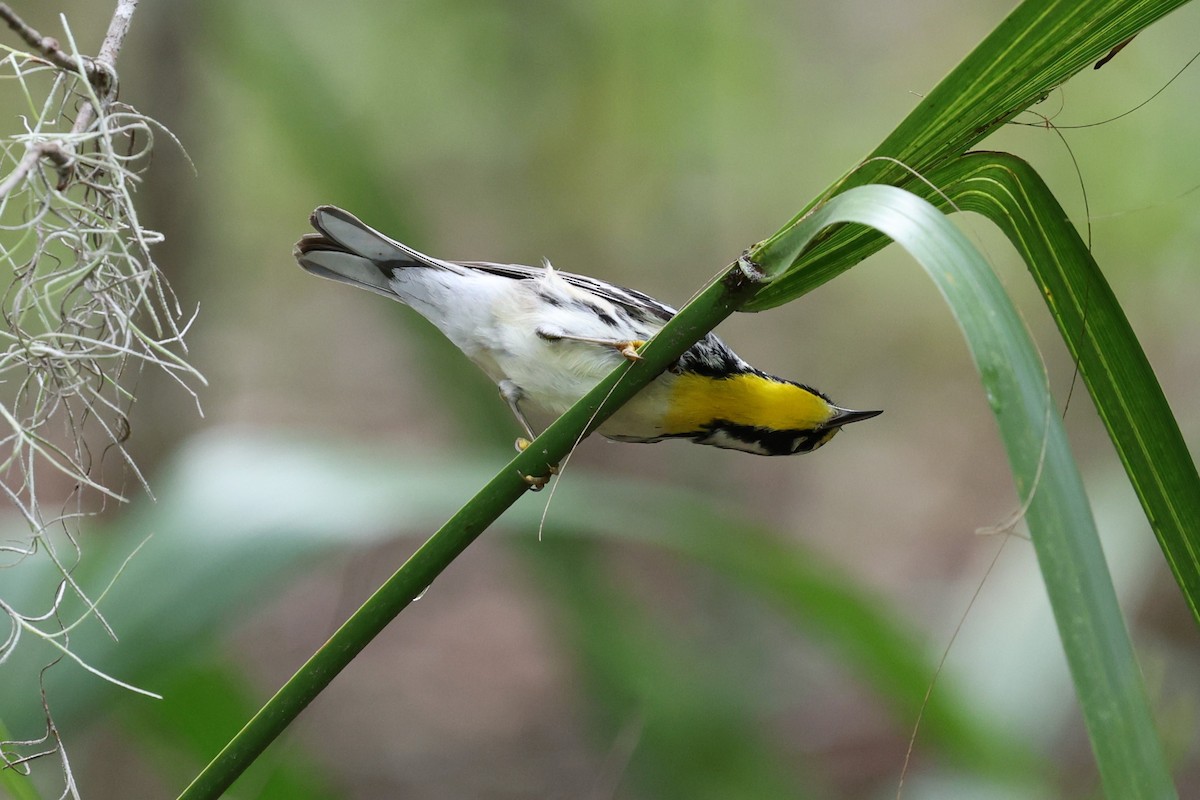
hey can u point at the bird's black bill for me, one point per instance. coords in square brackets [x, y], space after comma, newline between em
[845, 416]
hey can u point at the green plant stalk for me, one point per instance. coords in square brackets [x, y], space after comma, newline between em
[204, 698]
[715, 303]
[1100, 656]
[1114, 367]
[273, 497]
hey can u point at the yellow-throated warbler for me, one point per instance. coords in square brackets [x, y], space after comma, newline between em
[547, 337]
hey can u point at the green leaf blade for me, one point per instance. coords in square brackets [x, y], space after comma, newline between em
[1113, 365]
[1105, 672]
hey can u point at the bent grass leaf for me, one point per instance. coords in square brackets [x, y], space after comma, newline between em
[1106, 675]
[1114, 367]
[1119, 378]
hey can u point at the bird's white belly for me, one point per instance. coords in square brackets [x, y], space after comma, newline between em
[495, 322]
[555, 374]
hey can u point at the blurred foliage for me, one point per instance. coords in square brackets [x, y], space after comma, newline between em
[272, 504]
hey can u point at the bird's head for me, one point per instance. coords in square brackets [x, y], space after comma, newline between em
[755, 412]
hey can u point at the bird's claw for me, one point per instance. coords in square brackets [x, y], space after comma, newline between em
[536, 482]
[629, 349]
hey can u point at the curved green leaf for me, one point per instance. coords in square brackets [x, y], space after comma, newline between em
[1103, 667]
[1114, 367]
[1118, 375]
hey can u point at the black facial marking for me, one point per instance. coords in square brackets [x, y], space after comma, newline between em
[809, 441]
[772, 442]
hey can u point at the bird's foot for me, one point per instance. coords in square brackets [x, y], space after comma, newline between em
[629, 349]
[536, 482]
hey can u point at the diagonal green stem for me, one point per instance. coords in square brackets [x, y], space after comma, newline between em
[714, 304]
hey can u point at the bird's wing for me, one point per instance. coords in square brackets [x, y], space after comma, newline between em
[709, 356]
[640, 305]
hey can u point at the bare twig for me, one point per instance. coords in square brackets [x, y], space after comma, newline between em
[15, 178]
[49, 47]
[106, 60]
[51, 150]
[100, 72]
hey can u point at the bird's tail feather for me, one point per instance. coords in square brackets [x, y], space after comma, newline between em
[348, 250]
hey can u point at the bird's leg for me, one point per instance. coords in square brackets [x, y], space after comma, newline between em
[512, 395]
[626, 347]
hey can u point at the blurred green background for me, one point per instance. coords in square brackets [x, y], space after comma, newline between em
[646, 143]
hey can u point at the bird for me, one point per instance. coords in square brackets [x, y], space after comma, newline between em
[546, 337]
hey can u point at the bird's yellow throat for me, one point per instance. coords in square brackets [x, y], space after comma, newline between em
[745, 399]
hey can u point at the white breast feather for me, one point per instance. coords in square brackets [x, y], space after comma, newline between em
[494, 320]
